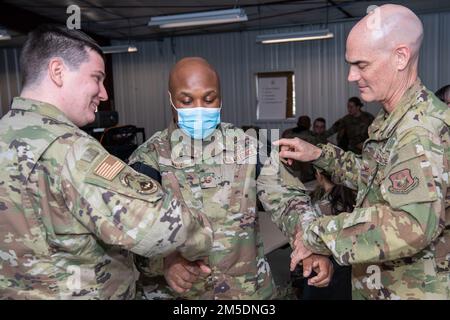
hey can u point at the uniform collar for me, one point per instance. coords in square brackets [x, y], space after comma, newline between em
[385, 123]
[43, 108]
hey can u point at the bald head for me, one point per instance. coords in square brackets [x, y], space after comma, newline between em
[193, 83]
[383, 51]
[193, 72]
[388, 27]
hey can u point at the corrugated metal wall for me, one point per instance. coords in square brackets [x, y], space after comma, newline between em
[9, 77]
[140, 79]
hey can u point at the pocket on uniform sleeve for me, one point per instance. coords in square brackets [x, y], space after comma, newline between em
[409, 178]
[126, 181]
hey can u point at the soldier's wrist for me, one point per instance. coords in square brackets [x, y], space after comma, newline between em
[317, 153]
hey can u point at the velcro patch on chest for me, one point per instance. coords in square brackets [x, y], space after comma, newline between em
[109, 168]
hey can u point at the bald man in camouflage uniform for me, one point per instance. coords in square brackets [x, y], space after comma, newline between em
[216, 175]
[398, 237]
[71, 215]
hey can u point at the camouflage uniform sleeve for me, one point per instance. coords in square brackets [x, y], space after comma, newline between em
[150, 267]
[284, 197]
[127, 209]
[145, 160]
[145, 154]
[407, 221]
[344, 167]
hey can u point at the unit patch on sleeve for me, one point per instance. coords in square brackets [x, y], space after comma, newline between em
[142, 185]
[402, 182]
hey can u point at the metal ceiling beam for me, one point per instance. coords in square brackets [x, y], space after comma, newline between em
[29, 21]
[177, 6]
[218, 29]
[107, 11]
[338, 6]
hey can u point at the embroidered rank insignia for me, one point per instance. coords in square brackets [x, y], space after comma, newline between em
[109, 168]
[402, 182]
[140, 184]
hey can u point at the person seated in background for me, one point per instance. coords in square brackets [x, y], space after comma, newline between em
[319, 128]
[216, 168]
[302, 170]
[444, 94]
[352, 129]
[328, 199]
[302, 130]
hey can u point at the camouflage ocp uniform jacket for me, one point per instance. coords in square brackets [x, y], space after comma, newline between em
[302, 170]
[352, 131]
[219, 179]
[69, 212]
[398, 237]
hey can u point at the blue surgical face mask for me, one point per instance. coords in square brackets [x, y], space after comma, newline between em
[198, 122]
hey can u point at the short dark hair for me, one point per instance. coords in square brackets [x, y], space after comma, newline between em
[320, 120]
[48, 41]
[442, 92]
[356, 101]
[304, 122]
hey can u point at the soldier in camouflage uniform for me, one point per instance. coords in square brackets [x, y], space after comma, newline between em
[301, 170]
[216, 175]
[397, 239]
[352, 128]
[71, 214]
[319, 129]
[302, 130]
[444, 94]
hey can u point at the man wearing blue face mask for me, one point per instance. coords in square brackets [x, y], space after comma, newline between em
[197, 122]
[214, 167]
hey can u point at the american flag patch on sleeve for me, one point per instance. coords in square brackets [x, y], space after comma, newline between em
[109, 168]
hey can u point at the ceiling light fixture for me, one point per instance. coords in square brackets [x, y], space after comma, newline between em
[294, 36]
[4, 35]
[200, 18]
[119, 49]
